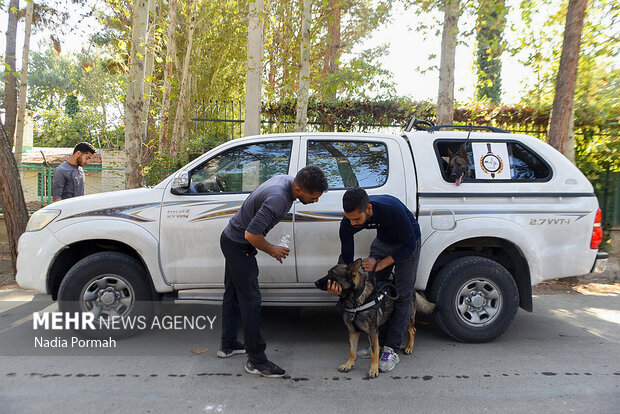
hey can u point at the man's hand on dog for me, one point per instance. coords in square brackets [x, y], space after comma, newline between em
[334, 287]
[279, 252]
[369, 264]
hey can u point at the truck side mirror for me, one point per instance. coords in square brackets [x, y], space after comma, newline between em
[180, 183]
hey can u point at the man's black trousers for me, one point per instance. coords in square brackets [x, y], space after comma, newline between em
[241, 298]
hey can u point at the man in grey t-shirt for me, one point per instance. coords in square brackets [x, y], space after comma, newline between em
[245, 233]
[68, 178]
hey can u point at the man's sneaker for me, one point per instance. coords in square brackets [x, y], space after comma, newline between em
[228, 352]
[366, 352]
[388, 360]
[266, 369]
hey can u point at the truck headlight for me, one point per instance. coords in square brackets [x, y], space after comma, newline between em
[41, 218]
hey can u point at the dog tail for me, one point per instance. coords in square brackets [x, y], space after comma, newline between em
[423, 305]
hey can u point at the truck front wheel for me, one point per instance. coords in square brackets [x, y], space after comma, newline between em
[107, 285]
[477, 299]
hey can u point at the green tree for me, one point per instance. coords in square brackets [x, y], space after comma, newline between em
[490, 23]
[340, 66]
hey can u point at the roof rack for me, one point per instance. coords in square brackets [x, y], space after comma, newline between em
[469, 127]
[418, 124]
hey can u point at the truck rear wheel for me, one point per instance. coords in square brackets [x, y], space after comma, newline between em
[107, 285]
[477, 299]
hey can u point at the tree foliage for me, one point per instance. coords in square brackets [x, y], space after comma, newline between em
[490, 23]
[358, 73]
[75, 97]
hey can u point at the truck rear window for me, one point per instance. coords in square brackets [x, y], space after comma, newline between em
[490, 161]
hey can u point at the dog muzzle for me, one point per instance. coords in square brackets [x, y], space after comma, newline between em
[322, 283]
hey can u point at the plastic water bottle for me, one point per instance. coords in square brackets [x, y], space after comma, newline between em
[285, 240]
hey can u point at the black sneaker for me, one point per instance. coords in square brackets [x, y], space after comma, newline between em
[228, 352]
[266, 369]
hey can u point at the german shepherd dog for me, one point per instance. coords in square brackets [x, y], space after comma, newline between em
[357, 290]
[458, 165]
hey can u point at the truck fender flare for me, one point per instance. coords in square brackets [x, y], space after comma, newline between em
[131, 234]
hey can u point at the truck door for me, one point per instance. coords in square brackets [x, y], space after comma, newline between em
[191, 224]
[374, 164]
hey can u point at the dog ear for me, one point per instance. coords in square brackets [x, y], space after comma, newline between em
[355, 266]
[450, 153]
[463, 152]
[340, 260]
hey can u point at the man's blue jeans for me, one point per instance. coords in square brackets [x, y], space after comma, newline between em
[391, 333]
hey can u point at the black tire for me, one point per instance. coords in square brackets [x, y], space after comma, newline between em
[107, 284]
[477, 299]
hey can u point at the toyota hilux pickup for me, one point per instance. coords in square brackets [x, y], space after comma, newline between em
[522, 214]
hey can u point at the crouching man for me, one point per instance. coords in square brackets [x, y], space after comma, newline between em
[397, 243]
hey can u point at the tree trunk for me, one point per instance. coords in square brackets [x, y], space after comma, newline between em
[11, 195]
[567, 76]
[301, 120]
[171, 51]
[135, 124]
[490, 25]
[149, 62]
[10, 81]
[332, 54]
[23, 86]
[178, 119]
[187, 104]
[445, 98]
[569, 149]
[254, 71]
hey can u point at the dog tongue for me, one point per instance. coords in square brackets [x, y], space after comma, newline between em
[458, 180]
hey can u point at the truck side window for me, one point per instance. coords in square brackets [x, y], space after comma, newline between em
[241, 169]
[350, 163]
[525, 164]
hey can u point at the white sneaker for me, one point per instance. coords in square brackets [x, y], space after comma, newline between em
[367, 352]
[388, 360]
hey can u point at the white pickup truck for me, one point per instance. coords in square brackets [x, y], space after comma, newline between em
[523, 214]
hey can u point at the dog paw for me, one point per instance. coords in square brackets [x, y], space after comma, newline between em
[373, 372]
[408, 351]
[345, 367]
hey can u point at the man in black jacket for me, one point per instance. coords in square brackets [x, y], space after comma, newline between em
[397, 243]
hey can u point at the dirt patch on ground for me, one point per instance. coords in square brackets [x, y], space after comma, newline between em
[599, 289]
[7, 279]
[570, 286]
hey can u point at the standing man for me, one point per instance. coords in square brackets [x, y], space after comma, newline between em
[245, 233]
[397, 243]
[68, 178]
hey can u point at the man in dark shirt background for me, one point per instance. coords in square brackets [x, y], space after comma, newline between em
[244, 234]
[397, 243]
[68, 180]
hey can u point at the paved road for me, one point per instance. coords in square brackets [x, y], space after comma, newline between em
[564, 357]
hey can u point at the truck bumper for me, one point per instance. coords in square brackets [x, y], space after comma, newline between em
[35, 252]
[600, 264]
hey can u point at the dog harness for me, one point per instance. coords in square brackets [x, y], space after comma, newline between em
[381, 294]
[376, 302]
